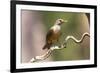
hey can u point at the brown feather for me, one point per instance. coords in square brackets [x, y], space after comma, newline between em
[51, 38]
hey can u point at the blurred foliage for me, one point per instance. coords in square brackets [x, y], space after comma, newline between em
[73, 51]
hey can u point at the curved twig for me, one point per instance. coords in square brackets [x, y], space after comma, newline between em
[78, 41]
[48, 53]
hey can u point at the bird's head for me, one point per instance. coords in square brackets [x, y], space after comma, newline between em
[60, 21]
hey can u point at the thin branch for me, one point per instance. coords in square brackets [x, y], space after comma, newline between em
[76, 40]
[48, 53]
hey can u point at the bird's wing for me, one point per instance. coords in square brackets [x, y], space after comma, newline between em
[49, 34]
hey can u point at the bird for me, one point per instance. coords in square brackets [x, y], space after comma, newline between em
[53, 34]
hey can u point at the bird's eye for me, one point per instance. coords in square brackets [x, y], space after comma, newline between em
[60, 20]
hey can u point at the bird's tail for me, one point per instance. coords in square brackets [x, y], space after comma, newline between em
[46, 46]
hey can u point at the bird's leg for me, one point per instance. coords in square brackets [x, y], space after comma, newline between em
[53, 45]
[64, 45]
[59, 43]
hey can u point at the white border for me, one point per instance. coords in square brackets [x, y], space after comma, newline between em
[51, 64]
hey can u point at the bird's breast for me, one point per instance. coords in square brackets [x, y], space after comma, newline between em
[55, 33]
[56, 29]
